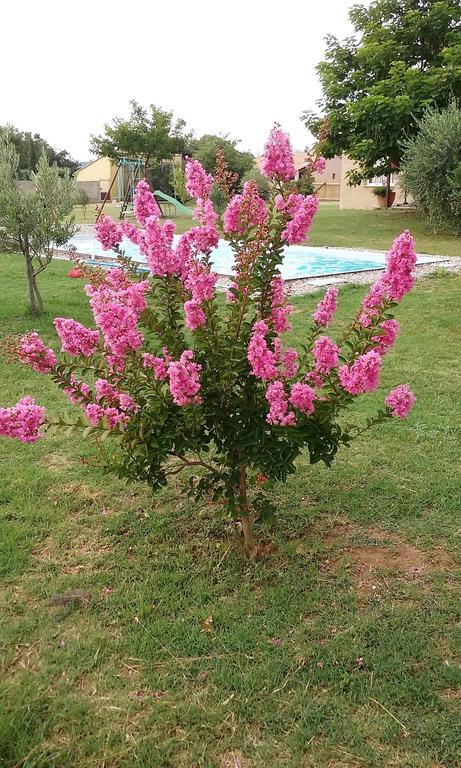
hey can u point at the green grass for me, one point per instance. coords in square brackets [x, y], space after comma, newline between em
[374, 230]
[129, 676]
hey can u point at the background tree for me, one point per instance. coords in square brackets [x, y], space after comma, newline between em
[238, 163]
[33, 223]
[432, 168]
[148, 134]
[261, 182]
[405, 56]
[178, 181]
[31, 146]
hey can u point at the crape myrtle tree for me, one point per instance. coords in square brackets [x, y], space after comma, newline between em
[34, 223]
[179, 381]
[404, 56]
[151, 134]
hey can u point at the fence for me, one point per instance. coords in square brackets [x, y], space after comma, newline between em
[327, 190]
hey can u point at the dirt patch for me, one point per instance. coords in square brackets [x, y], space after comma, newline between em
[370, 555]
[56, 461]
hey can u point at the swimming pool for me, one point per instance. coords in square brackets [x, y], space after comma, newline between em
[299, 260]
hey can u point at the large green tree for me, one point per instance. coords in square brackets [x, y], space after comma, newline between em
[151, 135]
[405, 56]
[30, 147]
[204, 149]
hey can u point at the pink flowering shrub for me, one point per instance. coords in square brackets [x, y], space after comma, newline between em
[182, 380]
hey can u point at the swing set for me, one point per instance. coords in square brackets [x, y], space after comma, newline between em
[129, 172]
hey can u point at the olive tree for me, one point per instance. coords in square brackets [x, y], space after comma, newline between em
[33, 223]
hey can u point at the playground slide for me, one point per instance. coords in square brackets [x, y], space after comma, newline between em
[179, 206]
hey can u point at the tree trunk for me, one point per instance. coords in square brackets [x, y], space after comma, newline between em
[38, 298]
[35, 302]
[250, 544]
[388, 192]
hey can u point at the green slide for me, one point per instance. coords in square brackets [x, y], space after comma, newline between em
[179, 206]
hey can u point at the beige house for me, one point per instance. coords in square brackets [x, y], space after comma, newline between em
[362, 196]
[96, 178]
[327, 184]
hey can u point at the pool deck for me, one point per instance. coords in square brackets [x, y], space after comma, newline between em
[299, 286]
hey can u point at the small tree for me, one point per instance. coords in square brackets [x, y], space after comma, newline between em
[430, 168]
[184, 382]
[81, 198]
[209, 149]
[34, 223]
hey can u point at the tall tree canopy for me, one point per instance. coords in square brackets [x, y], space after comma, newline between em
[149, 134]
[204, 149]
[30, 147]
[405, 56]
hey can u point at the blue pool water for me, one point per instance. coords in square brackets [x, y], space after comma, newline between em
[299, 260]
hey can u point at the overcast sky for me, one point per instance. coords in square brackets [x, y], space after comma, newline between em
[225, 67]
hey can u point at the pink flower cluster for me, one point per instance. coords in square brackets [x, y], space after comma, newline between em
[262, 359]
[279, 412]
[326, 354]
[22, 421]
[326, 307]
[108, 233]
[198, 181]
[301, 396]
[245, 211]
[156, 243]
[158, 364]
[205, 213]
[280, 309]
[400, 400]
[194, 314]
[362, 375]
[184, 379]
[117, 305]
[116, 407]
[32, 351]
[144, 204]
[75, 338]
[278, 156]
[389, 330]
[319, 165]
[267, 364]
[396, 281]
[301, 210]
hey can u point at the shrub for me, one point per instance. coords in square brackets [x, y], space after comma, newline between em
[184, 382]
[81, 198]
[429, 167]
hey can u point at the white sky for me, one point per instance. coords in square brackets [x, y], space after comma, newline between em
[225, 67]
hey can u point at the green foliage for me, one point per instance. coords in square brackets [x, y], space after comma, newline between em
[405, 56]
[34, 223]
[432, 168]
[306, 183]
[238, 162]
[262, 182]
[380, 191]
[30, 147]
[149, 134]
[178, 181]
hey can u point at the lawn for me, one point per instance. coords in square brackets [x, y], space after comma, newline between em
[374, 230]
[341, 648]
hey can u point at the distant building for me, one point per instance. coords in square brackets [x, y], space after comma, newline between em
[96, 178]
[362, 196]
